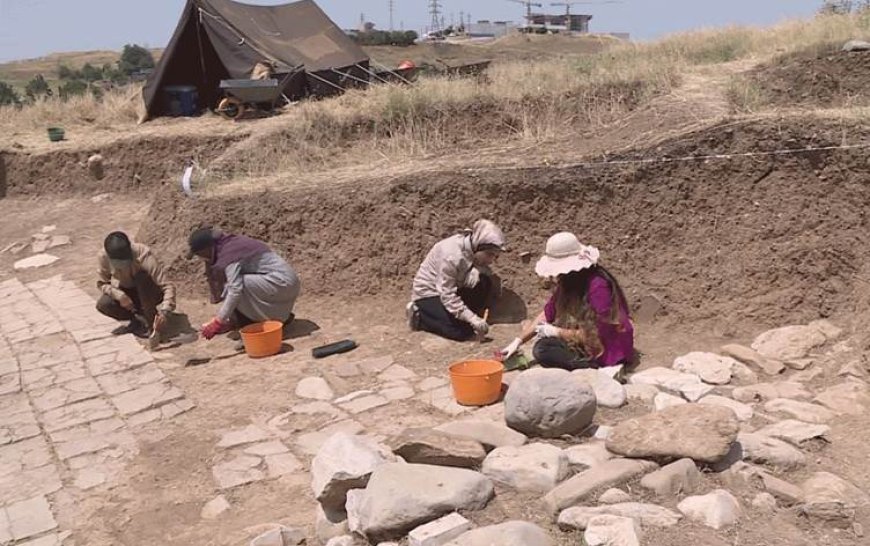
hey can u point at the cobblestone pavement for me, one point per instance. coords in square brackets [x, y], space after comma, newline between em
[71, 397]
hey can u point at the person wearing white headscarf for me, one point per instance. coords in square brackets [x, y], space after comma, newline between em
[586, 322]
[452, 287]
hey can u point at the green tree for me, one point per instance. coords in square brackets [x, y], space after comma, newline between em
[8, 96]
[72, 88]
[66, 73]
[37, 88]
[135, 57]
[91, 73]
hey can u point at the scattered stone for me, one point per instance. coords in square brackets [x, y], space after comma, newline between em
[215, 507]
[614, 496]
[612, 531]
[345, 462]
[365, 403]
[808, 375]
[769, 391]
[315, 388]
[717, 509]
[711, 368]
[311, 442]
[426, 446]
[680, 477]
[238, 471]
[795, 432]
[741, 475]
[273, 447]
[38, 260]
[789, 342]
[95, 167]
[764, 450]
[804, 411]
[532, 467]
[401, 496]
[549, 403]
[689, 385]
[781, 489]
[27, 518]
[599, 432]
[764, 502]
[858, 529]
[396, 373]
[511, 533]
[345, 370]
[248, 435]
[48, 229]
[442, 399]
[649, 515]
[749, 356]
[700, 432]
[851, 398]
[799, 364]
[39, 246]
[345, 540]
[374, 366]
[854, 369]
[586, 456]
[100, 197]
[831, 499]
[329, 525]
[350, 397]
[59, 240]
[664, 400]
[398, 391]
[612, 473]
[490, 435]
[609, 393]
[440, 531]
[856, 45]
[742, 411]
[642, 393]
[280, 536]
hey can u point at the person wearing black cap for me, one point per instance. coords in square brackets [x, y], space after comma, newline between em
[134, 286]
[253, 283]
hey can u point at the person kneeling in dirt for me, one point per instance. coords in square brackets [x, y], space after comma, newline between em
[253, 282]
[586, 323]
[453, 287]
[134, 286]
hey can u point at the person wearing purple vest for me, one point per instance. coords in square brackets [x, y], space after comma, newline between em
[586, 322]
[251, 281]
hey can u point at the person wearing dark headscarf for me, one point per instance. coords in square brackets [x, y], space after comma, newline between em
[134, 286]
[253, 283]
[452, 287]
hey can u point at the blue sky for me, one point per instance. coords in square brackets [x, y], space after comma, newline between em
[32, 28]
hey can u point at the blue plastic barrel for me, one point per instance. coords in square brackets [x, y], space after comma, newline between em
[181, 100]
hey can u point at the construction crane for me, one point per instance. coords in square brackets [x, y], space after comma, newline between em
[529, 6]
[568, 5]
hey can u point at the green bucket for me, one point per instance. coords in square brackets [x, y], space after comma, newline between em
[55, 134]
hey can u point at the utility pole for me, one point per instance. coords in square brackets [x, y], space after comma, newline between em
[391, 6]
[435, 14]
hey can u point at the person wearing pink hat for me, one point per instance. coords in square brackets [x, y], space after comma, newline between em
[586, 322]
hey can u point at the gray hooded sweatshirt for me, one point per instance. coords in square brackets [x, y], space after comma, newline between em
[448, 265]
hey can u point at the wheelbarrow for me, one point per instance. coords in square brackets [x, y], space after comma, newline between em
[241, 96]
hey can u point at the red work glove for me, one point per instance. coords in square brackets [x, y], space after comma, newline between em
[214, 328]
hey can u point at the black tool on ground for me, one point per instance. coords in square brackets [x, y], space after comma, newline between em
[338, 347]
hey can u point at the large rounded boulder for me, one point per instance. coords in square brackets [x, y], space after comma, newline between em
[549, 403]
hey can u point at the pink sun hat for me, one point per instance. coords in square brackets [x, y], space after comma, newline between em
[565, 254]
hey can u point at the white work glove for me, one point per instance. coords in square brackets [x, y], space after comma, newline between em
[511, 349]
[480, 326]
[547, 330]
[473, 278]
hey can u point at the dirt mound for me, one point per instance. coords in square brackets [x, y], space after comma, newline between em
[137, 164]
[828, 77]
[750, 241]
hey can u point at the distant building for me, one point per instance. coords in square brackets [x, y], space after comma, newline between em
[559, 23]
[490, 29]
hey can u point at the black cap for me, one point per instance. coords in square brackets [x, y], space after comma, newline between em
[118, 246]
[200, 240]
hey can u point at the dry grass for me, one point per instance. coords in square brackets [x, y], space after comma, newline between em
[117, 108]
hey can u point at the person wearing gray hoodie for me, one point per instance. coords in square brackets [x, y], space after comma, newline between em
[452, 287]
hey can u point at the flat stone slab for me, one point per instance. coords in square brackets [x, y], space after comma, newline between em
[76, 414]
[442, 399]
[238, 471]
[804, 411]
[364, 403]
[147, 397]
[92, 438]
[580, 487]
[247, 435]
[65, 394]
[490, 435]
[119, 383]
[26, 519]
[33, 262]
[17, 420]
[795, 432]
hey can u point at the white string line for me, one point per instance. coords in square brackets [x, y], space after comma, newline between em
[699, 157]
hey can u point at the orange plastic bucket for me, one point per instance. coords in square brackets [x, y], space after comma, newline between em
[262, 339]
[476, 382]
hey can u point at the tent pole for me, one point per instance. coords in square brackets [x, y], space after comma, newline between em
[199, 43]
